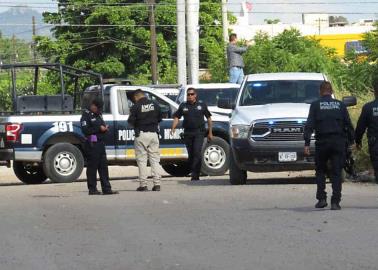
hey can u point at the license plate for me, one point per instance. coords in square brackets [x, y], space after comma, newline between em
[287, 156]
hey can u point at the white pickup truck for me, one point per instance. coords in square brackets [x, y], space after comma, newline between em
[267, 123]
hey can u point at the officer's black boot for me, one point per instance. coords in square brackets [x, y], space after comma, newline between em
[335, 206]
[145, 188]
[321, 203]
[156, 188]
[94, 192]
[110, 192]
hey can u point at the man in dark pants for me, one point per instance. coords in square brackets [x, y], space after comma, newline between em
[369, 120]
[330, 120]
[94, 128]
[194, 113]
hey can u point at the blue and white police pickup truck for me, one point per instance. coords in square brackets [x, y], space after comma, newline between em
[43, 138]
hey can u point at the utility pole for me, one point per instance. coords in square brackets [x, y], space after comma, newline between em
[192, 16]
[181, 42]
[154, 57]
[33, 41]
[224, 21]
[14, 49]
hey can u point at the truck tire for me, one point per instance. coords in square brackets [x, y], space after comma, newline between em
[179, 169]
[29, 174]
[237, 176]
[63, 163]
[215, 157]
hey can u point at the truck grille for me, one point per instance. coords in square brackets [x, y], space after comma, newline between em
[278, 130]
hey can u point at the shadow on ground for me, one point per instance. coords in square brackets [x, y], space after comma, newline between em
[262, 181]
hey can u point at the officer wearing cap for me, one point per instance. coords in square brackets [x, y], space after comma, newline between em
[369, 120]
[194, 113]
[94, 128]
[330, 120]
[145, 116]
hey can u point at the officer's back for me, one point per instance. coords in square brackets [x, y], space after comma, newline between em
[329, 118]
[145, 115]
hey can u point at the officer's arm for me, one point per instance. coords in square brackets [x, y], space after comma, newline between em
[310, 125]
[159, 112]
[176, 116]
[86, 125]
[132, 116]
[209, 121]
[361, 125]
[348, 126]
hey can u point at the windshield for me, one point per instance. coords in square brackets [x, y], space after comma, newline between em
[211, 96]
[266, 92]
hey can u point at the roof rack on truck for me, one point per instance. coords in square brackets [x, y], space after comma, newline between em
[48, 103]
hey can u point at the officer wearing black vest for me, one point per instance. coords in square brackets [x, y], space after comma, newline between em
[94, 128]
[330, 120]
[369, 120]
[145, 116]
[194, 112]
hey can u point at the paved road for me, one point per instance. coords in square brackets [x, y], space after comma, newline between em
[267, 224]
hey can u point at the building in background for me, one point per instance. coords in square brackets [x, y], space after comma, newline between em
[334, 33]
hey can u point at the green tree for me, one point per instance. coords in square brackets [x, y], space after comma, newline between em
[123, 47]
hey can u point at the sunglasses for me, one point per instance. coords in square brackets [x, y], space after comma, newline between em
[191, 94]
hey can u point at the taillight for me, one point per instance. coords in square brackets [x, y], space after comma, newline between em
[13, 132]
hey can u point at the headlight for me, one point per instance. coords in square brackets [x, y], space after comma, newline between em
[239, 132]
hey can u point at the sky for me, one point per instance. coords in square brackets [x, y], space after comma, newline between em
[288, 10]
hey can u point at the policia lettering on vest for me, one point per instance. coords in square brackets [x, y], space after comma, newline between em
[194, 112]
[369, 120]
[94, 128]
[330, 120]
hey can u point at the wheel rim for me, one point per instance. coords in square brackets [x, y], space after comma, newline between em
[214, 157]
[65, 163]
[30, 170]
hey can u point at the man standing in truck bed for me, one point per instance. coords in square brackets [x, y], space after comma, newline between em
[330, 120]
[235, 60]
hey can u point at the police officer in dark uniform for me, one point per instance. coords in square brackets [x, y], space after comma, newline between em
[194, 112]
[330, 120]
[144, 117]
[369, 120]
[94, 128]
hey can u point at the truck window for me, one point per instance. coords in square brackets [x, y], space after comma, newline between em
[280, 91]
[211, 96]
[91, 95]
[124, 103]
[164, 106]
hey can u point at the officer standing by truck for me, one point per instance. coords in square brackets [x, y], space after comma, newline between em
[145, 116]
[94, 128]
[330, 120]
[369, 120]
[194, 113]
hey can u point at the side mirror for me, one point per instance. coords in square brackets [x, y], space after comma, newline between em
[226, 103]
[350, 101]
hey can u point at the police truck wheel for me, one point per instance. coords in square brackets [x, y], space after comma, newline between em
[63, 163]
[237, 176]
[28, 173]
[215, 157]
[179, 169]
